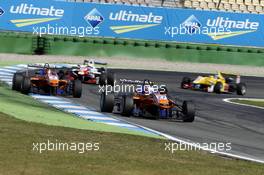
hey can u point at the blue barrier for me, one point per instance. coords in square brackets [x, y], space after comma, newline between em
[133, 22]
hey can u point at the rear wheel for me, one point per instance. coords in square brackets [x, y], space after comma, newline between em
[53, 91]
[127, 105]
[107, 78]
[185, 81]
[77, 89]
[17, 82]
[26, 85]
[102, 69]
[188, 111]
[107, 102]
[111, 78]
[102, 79]
[217, 88]
[241, 89]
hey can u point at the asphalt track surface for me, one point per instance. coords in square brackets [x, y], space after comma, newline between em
[216, 121]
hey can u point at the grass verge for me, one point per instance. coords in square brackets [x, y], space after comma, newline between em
[258, 103]
[11, 63]
[118, 154]
[26, 108]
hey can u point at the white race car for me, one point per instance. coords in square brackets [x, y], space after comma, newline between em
[90, 74]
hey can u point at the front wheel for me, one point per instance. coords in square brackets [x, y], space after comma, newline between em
[217, 88]
[241, 89]
[17, 82]
[188, 111]
[26, 85]
[77, 89]
[186, 81]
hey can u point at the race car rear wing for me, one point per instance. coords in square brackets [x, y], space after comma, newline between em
[41, 65]
[51, 66]
[100, 63]
[127, 81]
[97, 62]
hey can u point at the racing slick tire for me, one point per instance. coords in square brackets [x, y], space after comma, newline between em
[241, 89]
[77, 89]
[107, 78]
[107, 102]
[102, 70]
[127, 105]
[188, 110]
[53, 91]
[111, 78]
[17, 82]
[102, 79]
[26, 85]
[185, 81]
[217, 88]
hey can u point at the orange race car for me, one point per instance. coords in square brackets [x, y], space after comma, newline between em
[147, 102]
[47, 80]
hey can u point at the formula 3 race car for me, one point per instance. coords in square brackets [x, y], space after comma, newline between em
[147, 102]
[47, 80]
[219, 83]
[90, 74]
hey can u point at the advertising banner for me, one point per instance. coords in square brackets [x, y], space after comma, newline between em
[133, 22]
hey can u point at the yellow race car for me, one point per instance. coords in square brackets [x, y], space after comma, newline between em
[219, 83]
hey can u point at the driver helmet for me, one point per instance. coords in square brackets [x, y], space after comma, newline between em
[49, 72]
[91, 63]
[42, 72]
[216, 76]
[85, 62]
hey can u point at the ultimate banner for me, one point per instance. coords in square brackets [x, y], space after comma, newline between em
[135, 22]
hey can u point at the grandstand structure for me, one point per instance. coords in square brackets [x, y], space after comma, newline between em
[236, 6]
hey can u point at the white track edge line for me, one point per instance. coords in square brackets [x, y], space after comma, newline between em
[228, 100]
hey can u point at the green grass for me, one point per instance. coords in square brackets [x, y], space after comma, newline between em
[26, 108]
[259, 103]
[118, 154]
[11, 63]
